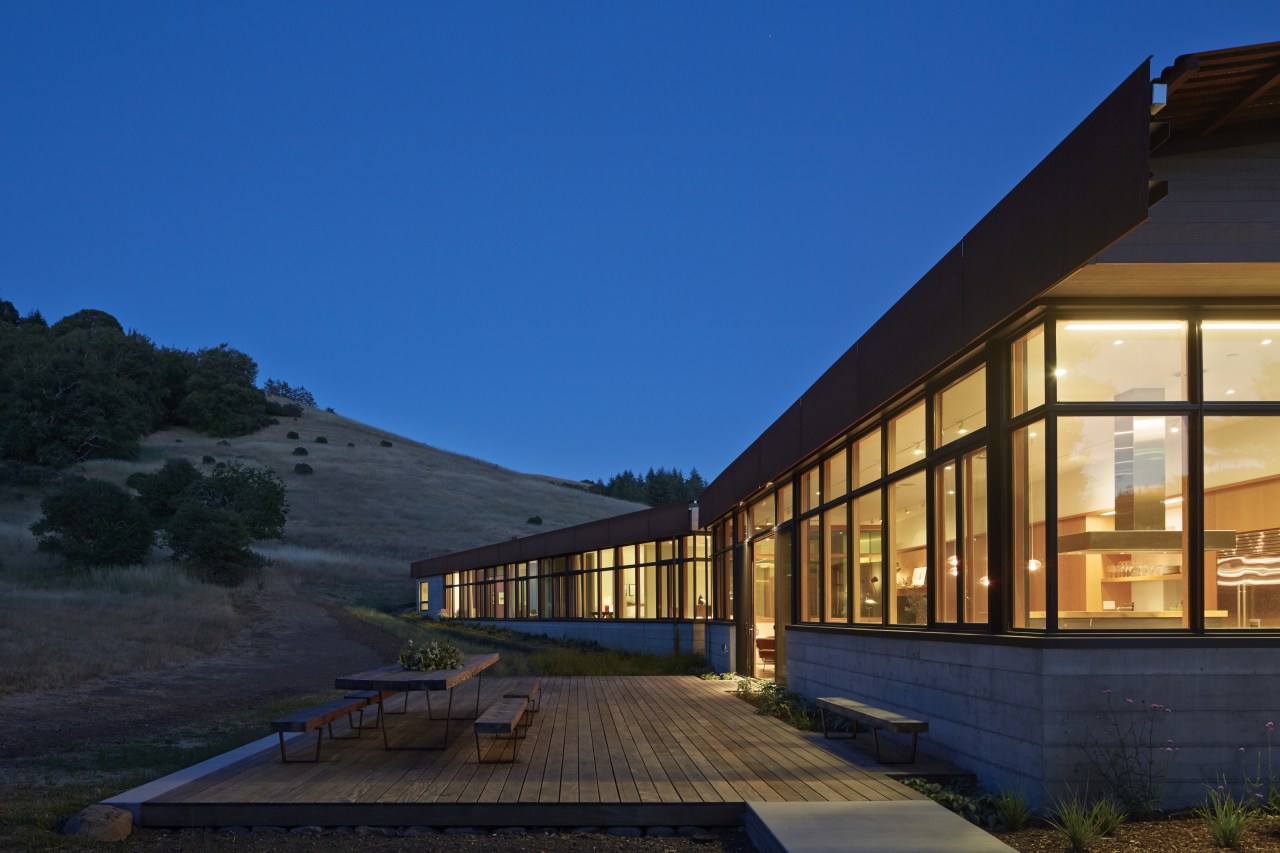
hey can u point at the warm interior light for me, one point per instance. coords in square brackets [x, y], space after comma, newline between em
[1061, 371]
[984, 581]
[1171, 501]
[1125, 327]
[1033, 565]
[1118, 342]
[1239, 325]
[1267, 342]
[1108, 512]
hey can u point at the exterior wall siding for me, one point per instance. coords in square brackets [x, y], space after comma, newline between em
[659, 638]
[1019, 716]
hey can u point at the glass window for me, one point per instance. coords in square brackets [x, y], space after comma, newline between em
[866, 459]
[648, 552]
[973, 559]
[909, 536]
[947, 570]
[836, 528]
[868, 593]
[1121, 360]
[608, 605]
[906, 437]
[1121, 514]
[810, 492]
[1029, 375]
[810, 569]
[1242, 522]
[834, 476]
[961, 407]
[786, 510]
[762, 517]
[1241, 360]
[629, 592]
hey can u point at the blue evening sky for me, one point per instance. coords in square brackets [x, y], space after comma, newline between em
[565, 237]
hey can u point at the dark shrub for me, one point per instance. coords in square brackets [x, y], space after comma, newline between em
[299, 451]
[283, 410]
[320, 439]
[535, 519]
[224, 443]
[291, 434]
[385, 443]
[351, 444]
[94, 523]
[161, 492]
[207, 459]
[303, 468]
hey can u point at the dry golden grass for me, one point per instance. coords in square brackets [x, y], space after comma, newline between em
[354, 526]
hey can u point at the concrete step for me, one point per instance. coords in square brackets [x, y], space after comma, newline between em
[902, 826]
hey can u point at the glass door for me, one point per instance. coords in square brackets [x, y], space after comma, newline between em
[764, 623]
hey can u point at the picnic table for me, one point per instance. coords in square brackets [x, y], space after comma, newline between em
[396, 678]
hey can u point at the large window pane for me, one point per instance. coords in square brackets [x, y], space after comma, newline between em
[810, 490]
[810, 569]
[961, 407]
[836, 528]
[1028, 570]
[868, 593]
[909, 533]
[1121, 522]
[1241, 360]
[947, 571]
[973, 557]
[1242, 522]
[906, 437]
[762, 517]
[1126, 361]
[786, 509]
[834, 476]
[1029, 375]
[866, 459]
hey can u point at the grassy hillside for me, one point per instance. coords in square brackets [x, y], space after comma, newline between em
[354, 525]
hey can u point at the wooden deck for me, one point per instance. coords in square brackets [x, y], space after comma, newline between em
[601, 751]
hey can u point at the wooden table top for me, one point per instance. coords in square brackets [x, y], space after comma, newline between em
[394, 678]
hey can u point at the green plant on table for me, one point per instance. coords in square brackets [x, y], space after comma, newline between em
[1226, 817]
[431, 656]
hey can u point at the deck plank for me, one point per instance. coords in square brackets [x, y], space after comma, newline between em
[631, 746]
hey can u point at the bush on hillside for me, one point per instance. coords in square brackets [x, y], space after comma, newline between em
[283, 410]
[385, 443]
[299, 451]
[207, 460]
[351, 444]
[535, 519]
[94, 523]
[291, 434]
[303, 468]
[300, 394]
[320, 439]
[160, 492]
[222, 398]
[219, 516]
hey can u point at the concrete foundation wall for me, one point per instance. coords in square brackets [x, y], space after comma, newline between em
[662, 638]
[1022, 717]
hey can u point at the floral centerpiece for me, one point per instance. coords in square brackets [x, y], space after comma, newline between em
[430, 657]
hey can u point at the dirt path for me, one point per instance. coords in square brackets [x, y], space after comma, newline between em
[293, 646]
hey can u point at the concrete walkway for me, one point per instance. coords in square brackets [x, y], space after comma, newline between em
[903, 826]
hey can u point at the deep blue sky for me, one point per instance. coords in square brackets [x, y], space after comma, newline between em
[568, 238]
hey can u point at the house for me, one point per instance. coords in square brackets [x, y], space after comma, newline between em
[1099, 358]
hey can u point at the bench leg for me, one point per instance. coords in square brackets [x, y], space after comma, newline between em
[351, 727]
[910, 759]
[285, 760]
[827, 733]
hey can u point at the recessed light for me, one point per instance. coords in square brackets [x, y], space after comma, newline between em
[1118, 342]
[1060, 372]
[1267, 342]
[1230, 391]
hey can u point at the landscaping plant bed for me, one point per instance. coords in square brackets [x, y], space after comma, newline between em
[1180, 833]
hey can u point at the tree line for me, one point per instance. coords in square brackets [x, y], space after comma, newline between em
[654, 489]
[84, 388]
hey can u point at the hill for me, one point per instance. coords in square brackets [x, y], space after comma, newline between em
[353, 527]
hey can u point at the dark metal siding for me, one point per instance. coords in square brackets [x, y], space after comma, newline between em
[663, 522]
[1089, 192]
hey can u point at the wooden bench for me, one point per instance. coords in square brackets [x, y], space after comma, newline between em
[318, 718]
[503, 719]
[874, 719]
[525, 688]
[379, 698]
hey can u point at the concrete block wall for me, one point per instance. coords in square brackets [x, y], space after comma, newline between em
[1021, 716]
[661, 638]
